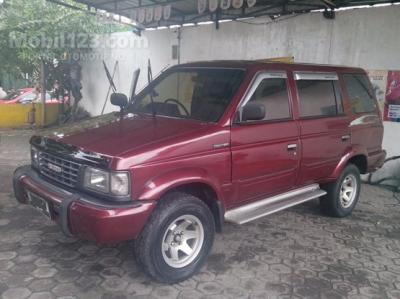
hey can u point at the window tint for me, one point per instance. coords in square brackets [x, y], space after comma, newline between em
[360, 93]
[319, 98]
[273, 94]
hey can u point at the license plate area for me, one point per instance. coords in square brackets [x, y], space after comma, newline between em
[40, 204]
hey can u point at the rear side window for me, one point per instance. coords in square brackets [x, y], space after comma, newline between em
[361, 95]
[273, 94]
[319, 95]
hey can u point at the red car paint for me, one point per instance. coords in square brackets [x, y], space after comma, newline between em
[163, 153]
[13, 97]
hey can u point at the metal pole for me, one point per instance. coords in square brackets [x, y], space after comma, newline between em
[43, 91]
[179, 44]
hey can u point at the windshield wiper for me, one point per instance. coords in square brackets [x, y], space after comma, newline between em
[135, 80]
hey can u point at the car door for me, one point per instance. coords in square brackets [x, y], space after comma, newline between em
[265, 156]
[325, 132]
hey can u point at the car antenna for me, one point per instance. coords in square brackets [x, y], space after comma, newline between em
[150, 78]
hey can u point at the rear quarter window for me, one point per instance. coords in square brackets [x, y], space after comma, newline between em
[361, 95]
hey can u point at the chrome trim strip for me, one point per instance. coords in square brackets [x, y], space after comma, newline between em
[315, 76]
[234, 213]
[364, 120]
[346, 137]
[222, 145]
[256, 82]
[312, 196]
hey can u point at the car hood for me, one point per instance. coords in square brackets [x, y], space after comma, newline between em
[114, 137]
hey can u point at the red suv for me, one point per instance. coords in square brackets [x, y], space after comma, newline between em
[206, 143]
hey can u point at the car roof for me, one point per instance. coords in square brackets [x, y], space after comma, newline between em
[262, 64]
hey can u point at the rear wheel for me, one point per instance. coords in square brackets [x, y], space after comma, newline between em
[343, 194]
[177, 239]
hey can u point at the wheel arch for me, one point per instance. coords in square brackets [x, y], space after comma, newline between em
[360, 161]
[206, 194]
[191, 181]
[357, 156]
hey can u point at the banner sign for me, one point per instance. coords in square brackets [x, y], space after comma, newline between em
[142, 15]
[379, 81]
[394, 112]
[167, 12]
[212, 5]
[134, 15]
[386, 85]
[225, 4]
[251, 3]
[237, 3]
[149, 14]
[158, 13]
[201, 6]
[392, 103]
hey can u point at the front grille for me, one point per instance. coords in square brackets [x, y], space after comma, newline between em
[58, 169]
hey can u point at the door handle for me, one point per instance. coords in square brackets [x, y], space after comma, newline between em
[292, 147]
[346, 137]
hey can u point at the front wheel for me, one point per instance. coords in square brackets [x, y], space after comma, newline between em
[177, 239]
[343, 194]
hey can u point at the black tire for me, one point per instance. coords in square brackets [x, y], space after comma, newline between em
[331, 204]
[148, 246]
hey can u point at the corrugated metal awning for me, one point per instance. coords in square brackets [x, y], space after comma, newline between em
[156, 13]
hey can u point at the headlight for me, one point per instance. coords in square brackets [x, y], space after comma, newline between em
[97, 180]
[120, 183]
[34, 156]
[114, 183]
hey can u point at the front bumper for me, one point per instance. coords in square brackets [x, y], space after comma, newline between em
[83, 216]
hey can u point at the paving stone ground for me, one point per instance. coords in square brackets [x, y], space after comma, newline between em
[297, 253]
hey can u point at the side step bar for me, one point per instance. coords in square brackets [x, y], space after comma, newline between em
[273, 204]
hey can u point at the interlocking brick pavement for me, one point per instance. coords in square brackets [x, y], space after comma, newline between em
[297, 253]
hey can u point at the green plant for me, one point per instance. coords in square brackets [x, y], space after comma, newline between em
[35, 30]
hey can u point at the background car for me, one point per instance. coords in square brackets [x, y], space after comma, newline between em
[26, 96]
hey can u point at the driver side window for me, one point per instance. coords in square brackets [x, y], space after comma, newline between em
[272, 93]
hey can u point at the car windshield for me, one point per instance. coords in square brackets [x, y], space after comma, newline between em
[194, 93]
[38, 97]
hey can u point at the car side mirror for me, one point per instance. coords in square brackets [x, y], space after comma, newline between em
[120, 100]
[253, 111]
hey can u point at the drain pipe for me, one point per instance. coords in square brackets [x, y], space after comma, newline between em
[179, 44]
[43, 91]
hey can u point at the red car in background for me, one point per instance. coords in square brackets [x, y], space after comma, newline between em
[26, 96]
